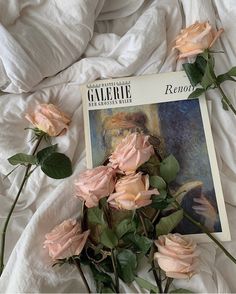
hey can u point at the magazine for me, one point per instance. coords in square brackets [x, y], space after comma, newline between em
[157, 105]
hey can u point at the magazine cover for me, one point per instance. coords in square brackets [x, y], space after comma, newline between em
[157, 105]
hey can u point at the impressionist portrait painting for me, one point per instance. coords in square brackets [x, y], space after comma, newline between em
[176, 128]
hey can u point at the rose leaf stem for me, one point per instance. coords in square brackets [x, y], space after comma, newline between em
[228, 102]
[77, 264]
[207, 232]
[114, 264]
[3, 233]
[168, 283]
[158, 281]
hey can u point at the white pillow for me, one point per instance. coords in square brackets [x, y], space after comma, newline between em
[39, 38]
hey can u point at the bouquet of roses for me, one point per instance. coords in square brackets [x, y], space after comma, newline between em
[121, 221]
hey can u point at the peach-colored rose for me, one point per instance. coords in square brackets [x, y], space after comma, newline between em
[94, 184]
[196, 38]
[132, 192]
[177, 256]
[66, 240]
[49, 119]
[131, 152]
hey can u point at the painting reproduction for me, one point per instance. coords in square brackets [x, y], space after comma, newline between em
[176, 126]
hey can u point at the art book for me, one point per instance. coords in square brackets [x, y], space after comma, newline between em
[157, 105]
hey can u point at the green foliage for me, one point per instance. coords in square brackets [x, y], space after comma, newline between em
[146, 285]
[224, 104]
[141, 243]
[169, 168]
[127, 264]
[95, 216]
[103, 281]
[109, 238]
[22, 158]
[193, 73]
[44, 153]
[196, 93]
[150, 167]
[181, 290]
[168, 223]
[157, 182]
[125, 226]
[228, 76]
[161, 203]
[57, 166]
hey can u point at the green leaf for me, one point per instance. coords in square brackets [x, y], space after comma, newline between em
[232, 71]
[160, 203]
[146, 285]
[227, 76]
[201, 63]
[141, 243]
[107, 290]
[109, 238]
[102, 279]
[209, 77]
[168, 223]
[169, 168]
[157, 182]
[224, 105]
[151, 167]
[181, 290]
[127, 264]
[124, 227]
[95, 216]
[196, 93]
[22, 158]
[224, 77]
[44, 153]
[57, 166]
[193, 72]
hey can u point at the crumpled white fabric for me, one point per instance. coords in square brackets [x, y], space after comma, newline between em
[131, 39]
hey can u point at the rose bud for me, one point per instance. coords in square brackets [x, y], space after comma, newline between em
[131, 152]
[177, 256]
[94, 184]
[49, 119]
[132, 192]
[196, 38]
[66, 240]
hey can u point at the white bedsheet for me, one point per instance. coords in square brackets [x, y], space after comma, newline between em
[127, 39]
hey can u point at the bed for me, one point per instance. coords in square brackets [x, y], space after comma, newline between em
[50, 48]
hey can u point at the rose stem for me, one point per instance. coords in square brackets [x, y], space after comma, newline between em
[3, 233]
[158, 281]
[168, 283]
[113, 259]
[77, 264]
[228, 102]
[207, 232]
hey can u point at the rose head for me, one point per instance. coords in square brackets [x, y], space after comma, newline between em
[196, 38]
[177, 256]
[131, 152]
[49, 119]
[66, 240]
[94, 184]
[132, 192]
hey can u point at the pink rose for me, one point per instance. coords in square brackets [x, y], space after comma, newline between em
[177, 256]
[49, 119]
[131, 152]
[132, 192]
[66, 240]
[196, 38]
[94, 184]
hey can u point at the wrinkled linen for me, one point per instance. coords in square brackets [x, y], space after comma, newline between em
[84, 41]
